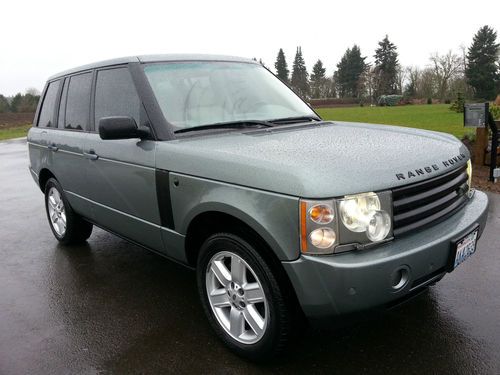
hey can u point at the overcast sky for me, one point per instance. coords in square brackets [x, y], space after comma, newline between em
[40, 38]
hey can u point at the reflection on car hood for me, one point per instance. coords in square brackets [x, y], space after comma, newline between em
[316, 161]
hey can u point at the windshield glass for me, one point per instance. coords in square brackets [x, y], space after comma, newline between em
[202, 93]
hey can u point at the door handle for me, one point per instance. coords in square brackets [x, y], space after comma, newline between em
[53, 148]
[91, 155]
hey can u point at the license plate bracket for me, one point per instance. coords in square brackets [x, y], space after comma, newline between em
[462, 248]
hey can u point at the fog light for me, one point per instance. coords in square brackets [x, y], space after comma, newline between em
[379, 226]
[322, 238]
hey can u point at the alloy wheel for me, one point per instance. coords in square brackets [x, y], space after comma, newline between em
[237, 297]
[57, 212]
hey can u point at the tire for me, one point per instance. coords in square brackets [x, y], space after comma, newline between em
[252, 298]
[67, 226]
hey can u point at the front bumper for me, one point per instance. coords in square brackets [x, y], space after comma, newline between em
[327, 286]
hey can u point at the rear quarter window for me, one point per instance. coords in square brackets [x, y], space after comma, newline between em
[46, 118]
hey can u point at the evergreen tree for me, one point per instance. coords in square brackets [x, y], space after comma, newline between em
[281, 66]
[482, 70]
[349, 72]
[386, 68]
[15, 103]
[4, 104]
[28, 103]
[318, 80]
[300, 77]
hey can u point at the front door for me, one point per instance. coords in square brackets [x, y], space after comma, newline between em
[121, 173]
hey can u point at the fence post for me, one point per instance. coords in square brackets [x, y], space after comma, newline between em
[480, 146]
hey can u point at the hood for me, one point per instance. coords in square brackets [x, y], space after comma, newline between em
[316, 161]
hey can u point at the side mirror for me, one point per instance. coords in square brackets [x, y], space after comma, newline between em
[121, 127]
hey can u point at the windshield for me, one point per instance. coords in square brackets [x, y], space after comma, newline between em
[201, 93]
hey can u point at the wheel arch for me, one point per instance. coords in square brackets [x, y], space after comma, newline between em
[206, 223]
[44, 175]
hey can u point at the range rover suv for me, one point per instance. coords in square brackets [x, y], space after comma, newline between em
[215, 163]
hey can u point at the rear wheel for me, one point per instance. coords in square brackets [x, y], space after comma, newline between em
[67, 226]
[242, 298]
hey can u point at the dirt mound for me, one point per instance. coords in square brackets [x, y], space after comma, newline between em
[10, 120]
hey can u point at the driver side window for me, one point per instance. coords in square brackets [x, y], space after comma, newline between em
[115, 95]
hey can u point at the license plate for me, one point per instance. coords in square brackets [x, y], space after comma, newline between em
[464, 248]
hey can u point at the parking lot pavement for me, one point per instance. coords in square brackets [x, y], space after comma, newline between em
[112, 307]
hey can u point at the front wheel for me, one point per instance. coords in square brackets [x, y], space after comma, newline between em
[242, 298]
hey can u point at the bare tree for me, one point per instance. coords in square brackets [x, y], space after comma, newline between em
[413, 74]
[33, 91]
[368, 81]
[426, 84]
[401, 75]
[445, 67]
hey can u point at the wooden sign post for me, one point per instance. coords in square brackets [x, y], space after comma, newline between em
[480, 146]
[476, 116]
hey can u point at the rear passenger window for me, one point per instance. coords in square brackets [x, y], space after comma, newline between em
[46, 118]
[78, 102]
[115, 95]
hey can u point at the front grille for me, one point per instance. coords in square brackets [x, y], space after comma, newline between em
[420, 204]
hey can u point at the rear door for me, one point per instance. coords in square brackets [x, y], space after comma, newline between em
[121, 173]
[66, 143]
[39, 135]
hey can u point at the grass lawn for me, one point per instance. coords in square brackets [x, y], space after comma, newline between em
[431, 117]
[15, 132]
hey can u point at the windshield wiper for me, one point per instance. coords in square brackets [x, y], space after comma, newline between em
[227, 125]
[294, 120]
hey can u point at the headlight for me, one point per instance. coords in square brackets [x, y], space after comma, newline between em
[379, 226]
[356, 210]
[469, 173]
[363, 213]
[351, 222]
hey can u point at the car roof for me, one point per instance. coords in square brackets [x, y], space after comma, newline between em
[152, 58]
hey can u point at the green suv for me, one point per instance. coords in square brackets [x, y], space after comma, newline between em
[213, 162]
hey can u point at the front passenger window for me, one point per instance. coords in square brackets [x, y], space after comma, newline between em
[115, 95]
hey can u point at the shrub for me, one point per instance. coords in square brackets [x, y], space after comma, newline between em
[332, 102]
[495, 111]
[458, 104]
[429, 100]
[389, 100]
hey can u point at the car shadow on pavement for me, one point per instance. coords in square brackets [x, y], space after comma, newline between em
[126, 310]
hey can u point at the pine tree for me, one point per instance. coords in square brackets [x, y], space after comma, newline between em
[300, 77]
[350, 70]
[386, 68]
[15, 103]
[318, 80]
[281, 66]
[482, 70]
[4, 104]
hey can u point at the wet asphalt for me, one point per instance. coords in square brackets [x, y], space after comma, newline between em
[112, 307]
